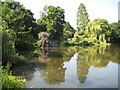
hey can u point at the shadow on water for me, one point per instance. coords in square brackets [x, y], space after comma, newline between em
[51, 64]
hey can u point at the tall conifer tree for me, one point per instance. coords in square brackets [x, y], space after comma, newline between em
[82, 17]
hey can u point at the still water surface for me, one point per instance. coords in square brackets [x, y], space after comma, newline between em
[73, 67]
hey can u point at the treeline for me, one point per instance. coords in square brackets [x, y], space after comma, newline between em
[98, 31]
[21, 32]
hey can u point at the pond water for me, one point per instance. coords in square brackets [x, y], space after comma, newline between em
[73, 67]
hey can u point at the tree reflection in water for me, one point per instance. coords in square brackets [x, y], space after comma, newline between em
[53, 71]
[97, 56]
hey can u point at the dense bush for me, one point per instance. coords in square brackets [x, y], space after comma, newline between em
[8, 47]
[10, 81]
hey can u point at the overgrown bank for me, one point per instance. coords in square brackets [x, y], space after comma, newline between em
[10, 81]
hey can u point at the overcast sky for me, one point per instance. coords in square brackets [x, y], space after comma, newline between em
[106, 9]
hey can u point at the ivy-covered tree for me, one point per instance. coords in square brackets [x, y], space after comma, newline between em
[43, 39]
[82, 17]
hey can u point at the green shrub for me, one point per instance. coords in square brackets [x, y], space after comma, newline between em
[10, 81]
[9, 53]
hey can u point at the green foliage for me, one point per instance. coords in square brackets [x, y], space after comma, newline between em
[17, 17]
[25, 41]
[21, 21]
[68, 31]
[96, 32]
[115, 32]
[54, 19]
[104, 26]
[8, 46]
[10, 81]
[82, 17]
[102, 39]
[41, 26]
[101, 27]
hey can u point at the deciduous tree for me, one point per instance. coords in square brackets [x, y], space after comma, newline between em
[21, 21]
[54, 17]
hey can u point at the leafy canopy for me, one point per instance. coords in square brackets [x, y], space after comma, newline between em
[21, 21]
[54, 19]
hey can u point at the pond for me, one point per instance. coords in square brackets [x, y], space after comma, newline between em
[73, 67]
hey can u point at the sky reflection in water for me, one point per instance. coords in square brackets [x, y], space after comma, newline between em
[75, 67]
